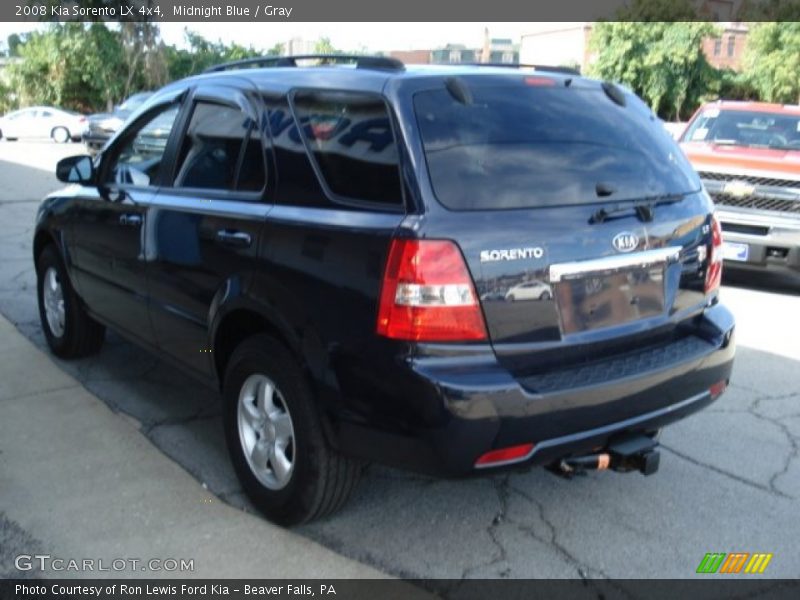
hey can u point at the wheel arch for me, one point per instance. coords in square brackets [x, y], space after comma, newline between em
[41, 240]
[233, 326]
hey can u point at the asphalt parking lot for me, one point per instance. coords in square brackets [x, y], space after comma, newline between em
[729, 478]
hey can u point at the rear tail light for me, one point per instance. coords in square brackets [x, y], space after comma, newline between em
[427, 294]
[496, 458]
[714, 268]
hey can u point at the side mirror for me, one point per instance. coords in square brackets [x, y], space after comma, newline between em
[76, 169]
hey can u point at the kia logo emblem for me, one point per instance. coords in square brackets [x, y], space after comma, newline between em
[626, 241]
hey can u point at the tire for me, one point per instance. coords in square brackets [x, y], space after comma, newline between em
[545, 296]
[318, 480]
[70, 332]
[512, 298]
[60, 135]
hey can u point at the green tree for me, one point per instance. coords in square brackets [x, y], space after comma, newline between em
[770, 10]
[732, 85]
[772, 60]
[73, 65]
[662, 62]
[7, 98]
[15, 40]
[324, 46]
[658, 10]
[202, 54]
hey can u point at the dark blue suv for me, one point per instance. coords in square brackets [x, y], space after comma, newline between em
[448, 269]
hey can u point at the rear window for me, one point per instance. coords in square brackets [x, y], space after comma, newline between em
[510, 146]
[746, 128]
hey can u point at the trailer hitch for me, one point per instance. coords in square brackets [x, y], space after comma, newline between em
[627, 453]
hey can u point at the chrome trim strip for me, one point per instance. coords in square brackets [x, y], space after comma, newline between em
[614, 263]
[599, 431]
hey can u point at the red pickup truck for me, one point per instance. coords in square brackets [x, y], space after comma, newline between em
[748, 157]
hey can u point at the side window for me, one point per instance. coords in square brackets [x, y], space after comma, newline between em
[221, 151]
[138, 159]
[351, 140]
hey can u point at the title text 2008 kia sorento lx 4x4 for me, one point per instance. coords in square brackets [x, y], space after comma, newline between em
[334, 245]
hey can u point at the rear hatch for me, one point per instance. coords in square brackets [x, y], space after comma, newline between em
[583, 225]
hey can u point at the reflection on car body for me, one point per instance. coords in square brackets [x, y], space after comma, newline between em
[530, 290]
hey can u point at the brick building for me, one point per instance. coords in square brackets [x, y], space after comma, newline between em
[567, 44]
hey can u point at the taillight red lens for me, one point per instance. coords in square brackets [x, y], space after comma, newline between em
[427, 294]
[717, 389]
[504, 455]
[714, 268]
[540, 81]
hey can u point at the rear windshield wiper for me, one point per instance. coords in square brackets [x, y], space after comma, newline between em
[644, 208]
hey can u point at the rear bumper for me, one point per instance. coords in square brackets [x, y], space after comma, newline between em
[773, 241]
[461, 410]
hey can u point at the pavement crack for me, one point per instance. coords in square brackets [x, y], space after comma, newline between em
[704, 465]
[591, 576]
[38, 393]
[501, 487]
[552, 538]
[794, 447]
[200, 415]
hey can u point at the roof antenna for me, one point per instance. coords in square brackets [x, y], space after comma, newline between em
[458, 90]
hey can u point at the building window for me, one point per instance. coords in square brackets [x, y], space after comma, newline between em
[731, 45]
[455, 56]
[717, 46]
[508, 57]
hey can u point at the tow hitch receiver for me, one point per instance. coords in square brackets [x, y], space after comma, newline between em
[624, 454]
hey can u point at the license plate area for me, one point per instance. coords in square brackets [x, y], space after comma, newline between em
[735, 251]
[595, 301]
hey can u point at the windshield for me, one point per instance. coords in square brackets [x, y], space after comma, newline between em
[746, 128]
[510, 146]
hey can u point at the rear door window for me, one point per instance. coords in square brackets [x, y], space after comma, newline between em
[518, 146]
[350, 139]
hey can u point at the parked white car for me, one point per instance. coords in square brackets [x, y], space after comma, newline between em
[530, 290]
[42, 122]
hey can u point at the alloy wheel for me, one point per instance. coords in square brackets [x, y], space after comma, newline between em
[266, 432]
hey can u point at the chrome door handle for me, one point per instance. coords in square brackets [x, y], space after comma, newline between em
[229, 237]
[132, 220]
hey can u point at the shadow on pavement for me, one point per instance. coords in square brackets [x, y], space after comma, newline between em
[766, 281]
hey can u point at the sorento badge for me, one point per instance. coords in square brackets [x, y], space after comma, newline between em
[511, 254]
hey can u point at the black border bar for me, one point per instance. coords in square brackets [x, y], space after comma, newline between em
[276, 11]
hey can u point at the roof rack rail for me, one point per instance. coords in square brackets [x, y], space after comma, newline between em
[546, 68]
[361, 62]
